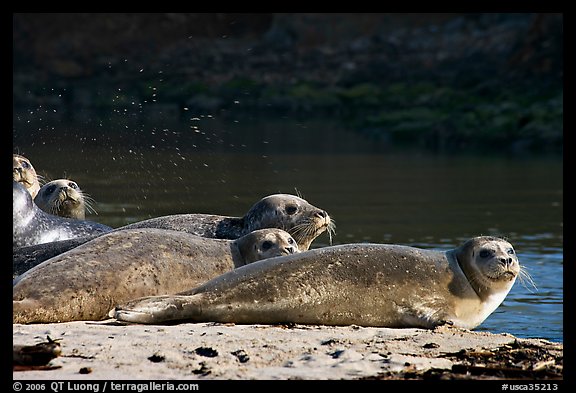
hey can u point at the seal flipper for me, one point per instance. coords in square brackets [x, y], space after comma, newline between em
[159, 309]
[26, 311]
[423, 317]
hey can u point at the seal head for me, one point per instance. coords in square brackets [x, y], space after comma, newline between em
[24, 173]
[62, 197]
[490, 266]
[293, 214]
[265, 243]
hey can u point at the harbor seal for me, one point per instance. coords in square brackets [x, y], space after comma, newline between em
[31, 225]
[363, 284]
[86, 282]
[24, 173]
[64, 198]
[293, 214]
[25, 258]
[302, 220]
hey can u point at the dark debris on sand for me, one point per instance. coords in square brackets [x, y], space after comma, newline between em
[518, 360]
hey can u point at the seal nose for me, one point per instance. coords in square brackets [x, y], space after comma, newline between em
[321, 214]
[289, 250]
[507, 262]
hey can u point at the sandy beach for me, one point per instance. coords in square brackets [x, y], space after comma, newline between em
[207, 351]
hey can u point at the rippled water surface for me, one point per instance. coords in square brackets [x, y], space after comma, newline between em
[138, 168]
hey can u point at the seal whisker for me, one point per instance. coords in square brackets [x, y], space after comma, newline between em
[525, 277]
[88, 202]
[299, 229]
[55, 206]
[331, 230]
[45, 181]
[302, 233]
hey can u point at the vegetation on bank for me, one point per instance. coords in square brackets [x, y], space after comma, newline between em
[488, 81]
[424, 113]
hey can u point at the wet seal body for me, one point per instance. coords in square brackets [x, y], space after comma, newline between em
[24, 173]
[64, 198]
[302, 220]
[293, 214]
[86, 282]
[25, 258]
[31, 225]
[363, 284]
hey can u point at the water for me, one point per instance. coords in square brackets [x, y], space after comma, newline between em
[137, 168]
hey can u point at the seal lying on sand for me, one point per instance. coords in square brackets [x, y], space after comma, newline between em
[363, 284]
[86, 282]
[34, 226]
[24, 173]
[25, 258]
[63, 197]
[293, 214]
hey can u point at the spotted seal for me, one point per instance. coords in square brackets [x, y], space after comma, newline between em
[364, 284]
[25, 258]
[31, 225]
[86, 282]
[64, 198]
[293, 214]
[302, 220]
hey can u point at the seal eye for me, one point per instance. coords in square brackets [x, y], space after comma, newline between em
[485, 254]
[290, 241]
[50, 189]
[291, 209]
[24, 164]
[266, 245]
[511, 251]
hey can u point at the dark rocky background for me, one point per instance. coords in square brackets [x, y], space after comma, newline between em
[440, 81]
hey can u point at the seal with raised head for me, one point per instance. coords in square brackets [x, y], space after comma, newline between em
[302, 220]
[293, 214]
[24, 173]
[86, 282]
[64, 198]
[363, 284]
[31, 225]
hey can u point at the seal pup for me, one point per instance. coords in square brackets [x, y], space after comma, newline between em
[31, 225]
[86, 282]
[293, 214]
[64, 198]
[363, 284]
[24, 173]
